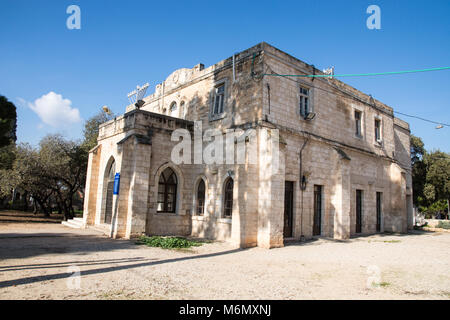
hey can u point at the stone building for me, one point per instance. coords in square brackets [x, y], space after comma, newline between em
[342, 158]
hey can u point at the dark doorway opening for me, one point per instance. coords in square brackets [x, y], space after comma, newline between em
[109, 193]
[288, 208]
[379, 197]
[317, 230]
[358, 211]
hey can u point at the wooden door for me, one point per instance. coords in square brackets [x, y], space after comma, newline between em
[288, 208]
[109, 202]
[378, 211]
[358, 211]
[317, 222]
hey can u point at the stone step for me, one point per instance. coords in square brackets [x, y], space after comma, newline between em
[78, 219]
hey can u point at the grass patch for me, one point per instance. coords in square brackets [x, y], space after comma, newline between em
[385, 241]
[168, 242]
[443, 225]
[384, 284]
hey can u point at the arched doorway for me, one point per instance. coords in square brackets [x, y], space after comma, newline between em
[109, 192]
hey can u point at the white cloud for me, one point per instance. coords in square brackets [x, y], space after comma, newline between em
[54, 110]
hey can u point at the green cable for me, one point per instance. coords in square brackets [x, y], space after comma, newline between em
[355, 74]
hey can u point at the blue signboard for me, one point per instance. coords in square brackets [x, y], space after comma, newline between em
[116, 183]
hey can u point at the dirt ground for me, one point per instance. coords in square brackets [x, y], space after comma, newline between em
[38, 261]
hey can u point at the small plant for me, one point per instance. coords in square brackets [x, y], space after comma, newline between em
[443, 225]
[384, 284]
[391, 241]
[168, 242]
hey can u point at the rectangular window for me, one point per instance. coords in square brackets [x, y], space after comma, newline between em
[358, 132]
[305, 107]
[219, 98]
[377, 130]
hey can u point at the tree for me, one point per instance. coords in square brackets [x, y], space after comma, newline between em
[418, 168]
[26, 175]
[90, 130]
[431, 177]
[8, 122]
[64, 164]
[438, 173]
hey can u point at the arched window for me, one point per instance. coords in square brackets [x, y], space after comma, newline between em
[167, 191]
[110, 192]
[228, 198]
[201, 198]
[173, 110]
[182, 110]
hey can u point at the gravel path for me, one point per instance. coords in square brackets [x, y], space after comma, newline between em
[36, 260]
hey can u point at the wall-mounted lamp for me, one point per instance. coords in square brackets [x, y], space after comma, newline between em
[303, 183]
[106, 110]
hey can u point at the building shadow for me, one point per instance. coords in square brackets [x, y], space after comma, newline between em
[139, 264]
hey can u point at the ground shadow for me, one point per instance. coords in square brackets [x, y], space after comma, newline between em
[62, 275]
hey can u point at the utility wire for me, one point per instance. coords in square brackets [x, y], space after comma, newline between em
[423, 119]
[354, 74]
[366, 74]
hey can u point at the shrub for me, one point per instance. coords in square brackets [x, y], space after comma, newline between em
[168, 242]
[443, 224]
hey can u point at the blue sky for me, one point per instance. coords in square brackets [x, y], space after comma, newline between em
[123, 44]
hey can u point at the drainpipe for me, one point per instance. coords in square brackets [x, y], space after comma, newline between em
[302, 237]
[234, 67]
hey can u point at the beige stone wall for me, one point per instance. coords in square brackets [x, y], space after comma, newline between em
[372, 166]
[193, 89]
[333, 156]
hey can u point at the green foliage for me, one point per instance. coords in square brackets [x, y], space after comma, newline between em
[418, 168]
[167, 242]
[8, 122]
[437, 206]
[7, 156]
[438, 173]
[50, 174]
[429, 192]
[443, 225]
[417, 149]
[90, 131]
[431, 177]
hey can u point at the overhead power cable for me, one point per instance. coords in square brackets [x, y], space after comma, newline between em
[423, 119]
[355, 74]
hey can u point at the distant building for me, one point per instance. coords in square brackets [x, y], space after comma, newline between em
[343, 166]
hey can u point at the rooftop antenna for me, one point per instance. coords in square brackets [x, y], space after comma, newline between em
[135, 96]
